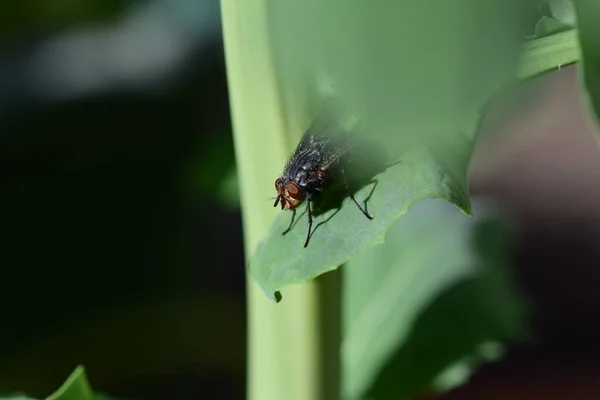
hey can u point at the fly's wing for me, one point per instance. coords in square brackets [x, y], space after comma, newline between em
[332, 141]
[323, 144]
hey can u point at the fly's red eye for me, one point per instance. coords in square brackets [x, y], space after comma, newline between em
[294, 191]
[277, 182]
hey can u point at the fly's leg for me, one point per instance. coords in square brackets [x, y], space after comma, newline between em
[366, 214]
[291, 222]
[309, 223]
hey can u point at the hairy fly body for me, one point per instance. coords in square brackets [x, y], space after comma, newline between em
[317, 162]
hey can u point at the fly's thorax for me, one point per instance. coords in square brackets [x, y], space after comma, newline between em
[301, 177]
[308, 175]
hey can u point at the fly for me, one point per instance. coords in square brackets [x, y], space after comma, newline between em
[318, 161]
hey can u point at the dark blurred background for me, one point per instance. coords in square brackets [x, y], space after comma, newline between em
[121, 242]
[543, 166]
[120, 235]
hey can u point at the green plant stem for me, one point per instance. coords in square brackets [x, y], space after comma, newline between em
[287, 341]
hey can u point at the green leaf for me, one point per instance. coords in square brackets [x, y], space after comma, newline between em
[424, 309]
[547, 54]
[563, 11]
[588, 15]
[282, 260]
[76, 387]
[406, 70]
[547, 26]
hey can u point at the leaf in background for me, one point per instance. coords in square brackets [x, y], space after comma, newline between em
[76, 387]
[422, 309]
[547, 54]
[547, 26]
[407, 71]
[563, 11]
[554, 43]
[588, 15]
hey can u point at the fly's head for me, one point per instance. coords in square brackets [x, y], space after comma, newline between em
[289, 194]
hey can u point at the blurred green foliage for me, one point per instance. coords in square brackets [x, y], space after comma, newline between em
[562, 10]
[76, 387]
[101, 199]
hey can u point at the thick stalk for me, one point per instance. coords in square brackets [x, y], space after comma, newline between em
[287, 342]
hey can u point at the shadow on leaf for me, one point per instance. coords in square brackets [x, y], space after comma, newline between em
[454, 328]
